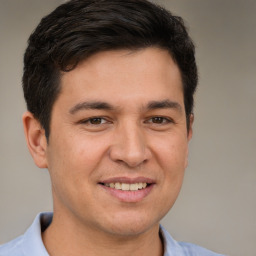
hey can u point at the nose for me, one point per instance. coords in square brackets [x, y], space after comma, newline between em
[129, 146]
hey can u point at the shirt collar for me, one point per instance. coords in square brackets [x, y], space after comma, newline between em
[32, 239]
[171, 247]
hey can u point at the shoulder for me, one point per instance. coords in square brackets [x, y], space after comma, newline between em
[174, 248]
[12, 248]
[195, 250]
[31, 242]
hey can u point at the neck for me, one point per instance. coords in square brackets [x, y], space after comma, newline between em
[66, 238]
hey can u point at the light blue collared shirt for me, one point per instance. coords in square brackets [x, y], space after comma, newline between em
[31, 244]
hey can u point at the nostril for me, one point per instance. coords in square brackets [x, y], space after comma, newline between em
[129, 147]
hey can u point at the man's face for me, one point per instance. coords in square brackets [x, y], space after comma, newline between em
[117, 126]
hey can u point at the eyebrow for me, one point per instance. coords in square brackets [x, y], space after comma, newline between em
[99, 105]
[164, 104]
[90, 105]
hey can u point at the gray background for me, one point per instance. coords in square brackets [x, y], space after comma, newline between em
[217, 207]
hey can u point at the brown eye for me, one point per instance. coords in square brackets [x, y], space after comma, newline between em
[158, 120]
[96, 120]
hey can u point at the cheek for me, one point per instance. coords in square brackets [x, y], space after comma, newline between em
[72, 165]
[171, 153]
[75, 157]
[89, 153]
[171, 156]
[173, 159]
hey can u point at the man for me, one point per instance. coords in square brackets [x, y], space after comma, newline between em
[109, 87]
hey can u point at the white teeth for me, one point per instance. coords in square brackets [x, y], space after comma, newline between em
[134, 187]
[126, 186]
[118, 185]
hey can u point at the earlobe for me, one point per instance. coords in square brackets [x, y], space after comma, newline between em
[36, 140]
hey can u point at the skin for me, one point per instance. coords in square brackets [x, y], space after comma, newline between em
[139, 132]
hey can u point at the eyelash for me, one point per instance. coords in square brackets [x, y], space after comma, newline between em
[157, 120]
[91, 119]
[164, 120]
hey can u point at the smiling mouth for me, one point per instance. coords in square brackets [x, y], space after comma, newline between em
[126, 186]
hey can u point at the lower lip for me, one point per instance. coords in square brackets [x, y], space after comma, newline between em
[129, 196]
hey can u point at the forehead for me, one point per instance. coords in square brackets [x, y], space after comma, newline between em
[123, 75]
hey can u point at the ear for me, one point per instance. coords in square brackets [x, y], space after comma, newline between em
[36, 140]
[189, 135]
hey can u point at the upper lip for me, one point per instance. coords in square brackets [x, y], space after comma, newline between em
[128, 180]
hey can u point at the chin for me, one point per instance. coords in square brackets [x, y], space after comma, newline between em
[128, 231]
[131, 225]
